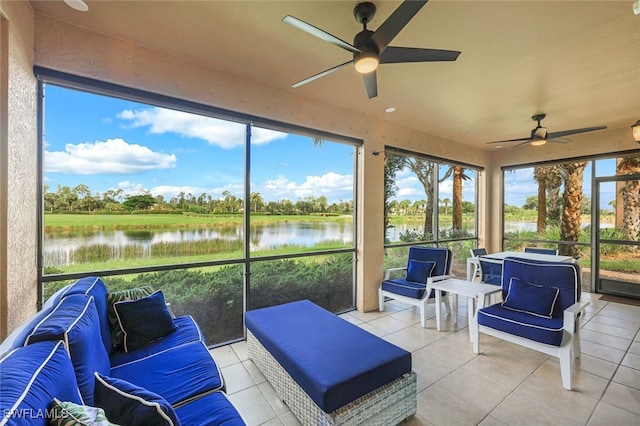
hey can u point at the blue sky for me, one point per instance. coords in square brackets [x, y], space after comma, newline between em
[108, 143]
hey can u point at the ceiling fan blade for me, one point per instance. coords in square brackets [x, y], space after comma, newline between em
[395, 55]
[559, 140]
[395, 23]
[321, 34]
[511, 140]
[371, 84]
[554, 135]
[321, 74]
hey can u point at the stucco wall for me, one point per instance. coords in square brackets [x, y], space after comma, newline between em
[18, 180]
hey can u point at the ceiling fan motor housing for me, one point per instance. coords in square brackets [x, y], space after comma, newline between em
[364, 12]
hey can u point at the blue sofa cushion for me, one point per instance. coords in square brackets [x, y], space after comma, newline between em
[126, 403]
[94, 286]
[30, 377]
[187, 331]
[537, 328]
[210, 410]
[334, 361]
[65, 413]
[144, 320]
[177, 374]
[530, 298]
[75, 321]
[117, 335]
[419, 270]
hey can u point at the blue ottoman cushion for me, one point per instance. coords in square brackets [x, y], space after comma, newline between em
[334, 361]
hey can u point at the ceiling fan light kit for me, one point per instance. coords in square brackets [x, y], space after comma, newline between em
[78, 5]
[371, 48]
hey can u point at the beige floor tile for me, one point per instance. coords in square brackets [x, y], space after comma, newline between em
[470, 386]
[254, 372]
[603, 352]
[609, 329]
[495, 371]
[254, 407]
[224, 356]
[430, 368]
[373, 330]
[521, 411]
[237, 378]
[388, 324]
[517, 356]
[273, 399]
[416, 420]
[623, 312]
[628, 376]
[623, 307]
[240, 349]
[407, 316]
[289, 419]
[544, 387]
[413, 338]
[604, 317]
[605, 339]
[442, 407]
[608, 415]
[623, 397]
[632, 360]
[596, 366]
[492, 421]
[635, 347]
[353, 320]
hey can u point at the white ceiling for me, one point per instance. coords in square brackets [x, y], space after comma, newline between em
[576, 61]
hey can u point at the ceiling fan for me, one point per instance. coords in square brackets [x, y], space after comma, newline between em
[371, 48]
[540, 136]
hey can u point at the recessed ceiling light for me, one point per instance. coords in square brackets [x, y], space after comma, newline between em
[498, 146]
[389, 109]
[78, 5]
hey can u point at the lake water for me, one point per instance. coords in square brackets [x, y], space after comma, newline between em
[58, 247]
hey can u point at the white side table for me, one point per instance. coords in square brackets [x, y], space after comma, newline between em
[475, 293]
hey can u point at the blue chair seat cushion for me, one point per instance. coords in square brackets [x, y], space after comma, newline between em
[143, 320]
[213, 409]
[530, 298]
[537, 328]
[406, 288]
[334, 361]
[32, 376]
[177, 374]
[187, 331]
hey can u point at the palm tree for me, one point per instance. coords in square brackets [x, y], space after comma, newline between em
[446, 202]
[540, 176]
[630, 198]
[256, 200]
[458, 177]
[572, 176]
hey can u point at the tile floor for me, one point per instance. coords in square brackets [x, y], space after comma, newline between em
[504, 385]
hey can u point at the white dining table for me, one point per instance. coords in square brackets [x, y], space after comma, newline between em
[500, 256]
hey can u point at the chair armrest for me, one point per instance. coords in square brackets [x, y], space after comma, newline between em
[571, 313]
[387, 273]
[431, 280]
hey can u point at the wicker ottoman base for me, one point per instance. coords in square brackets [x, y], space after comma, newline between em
[387, 405]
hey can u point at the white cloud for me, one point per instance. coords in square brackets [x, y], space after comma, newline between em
[225, 134]
[113, 156]
[332, 185]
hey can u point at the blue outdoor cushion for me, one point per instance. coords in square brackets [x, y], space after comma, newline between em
[406, 288]
[418, 270]
[144, 320]
[187, 331]
[94, 286]
[30, 377]
[530, 298]
[126, 403]
[75, 321]
[334, 361]
[178, 373]
[65, 413]
[213, 409]
[539, 329]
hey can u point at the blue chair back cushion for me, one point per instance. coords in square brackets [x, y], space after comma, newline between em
[420, 259]
[30, 377]
[94, 286]
[565, 277]
[540, 250]
[334, 361]
[491, 272]
[530, 298]
[75, 321]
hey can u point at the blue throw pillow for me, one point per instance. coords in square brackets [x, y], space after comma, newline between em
[144, 320]
[530, 298]
[419, 270]
[128, 404]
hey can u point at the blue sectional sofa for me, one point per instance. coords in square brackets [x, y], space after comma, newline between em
[65, 353]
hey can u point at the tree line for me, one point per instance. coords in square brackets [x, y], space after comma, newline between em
[80, 199]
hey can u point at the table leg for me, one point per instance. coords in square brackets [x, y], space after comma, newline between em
[471, 311]
[438, 300]
[468, 269]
